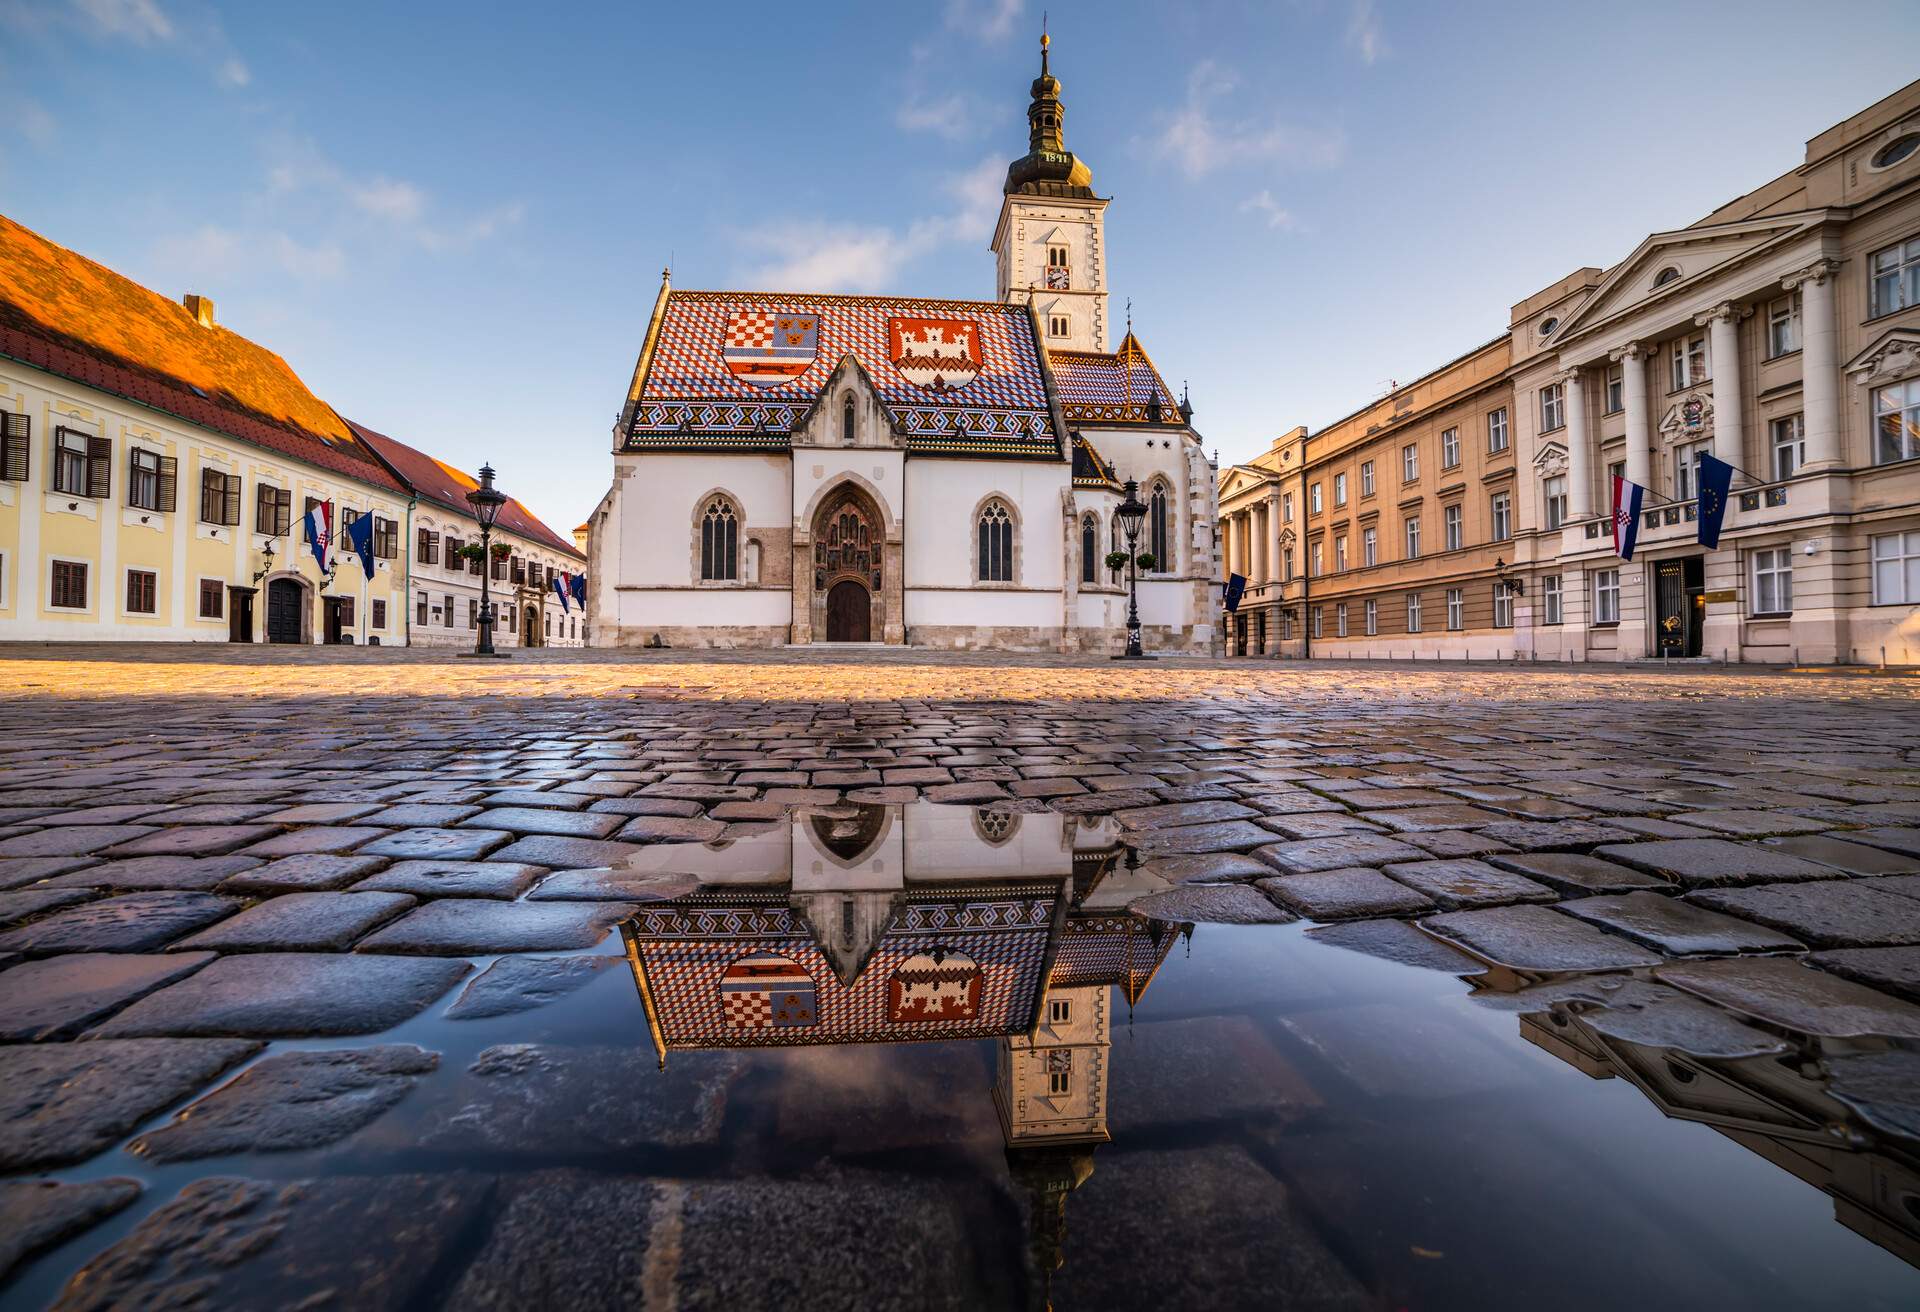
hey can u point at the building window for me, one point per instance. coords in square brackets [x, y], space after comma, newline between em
[427, 548]
[1554, 495]
[1160, 529]
[719, 542]
[1895, 151]
[1286, 566]
[1456, 609]
[142, 584]
[1789, 437]
[1783, 326]
[219, 497]
[1314, 570]
[1450, 448]
[1896, 569]
[1606, 596]
[1618, 469]
[1059, 1011]
[1286, 626]
[1773, 581]
[1339, 489]
[1553, 408]
[1413, 539]
[150, 479]
[1413, 612]
[1502, 605]
[1340, 620]
[473, 612]
[1550, 598]
[16, 446]
[1372, 617]
[379, 614]
[1057, 326]
[69, 591]
[1286, 507]
[1340, 554]
[446, 610]
[386, 538]
[1059, 1083]
[1896, 278]
[80, 464]
[213, 599]
[273, 511]
[1497, 430]
[1313, 499]
[1366, 478]
[346, 612]
[1409, 463]
[1502, 516]
[1089, 550]
[996, 544]
[1369, 547]
[1688, 362]
[1616, 390]
[1686, 470]
[1453, 528]
[1896, 422]
[1313, 621]
[1665, 276]
[420, 611]
[517, 569]
[846, 422]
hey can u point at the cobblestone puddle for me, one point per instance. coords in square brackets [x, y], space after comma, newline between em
[955, 1056]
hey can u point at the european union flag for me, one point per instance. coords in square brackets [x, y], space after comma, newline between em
[360, 541]
[1236, 589]
[1716, 480]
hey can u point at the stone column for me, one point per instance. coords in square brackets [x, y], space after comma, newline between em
[1633, 368]
[1579, 458]
[1722, 323]
[1273, 538]
[1229, 541]
[1819, 363]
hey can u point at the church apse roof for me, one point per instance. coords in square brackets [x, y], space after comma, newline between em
[1118, 387]
[736, 371]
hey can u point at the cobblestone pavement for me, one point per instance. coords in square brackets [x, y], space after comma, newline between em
[207, 854]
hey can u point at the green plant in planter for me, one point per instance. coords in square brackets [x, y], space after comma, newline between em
[501, 550]
[471, 551]
[1116, 560]
[1146, 561]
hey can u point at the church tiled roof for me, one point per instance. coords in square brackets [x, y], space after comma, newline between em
[1118, 387]
[1089, 469]
[63, 313]
[447, 487]
[736, 370]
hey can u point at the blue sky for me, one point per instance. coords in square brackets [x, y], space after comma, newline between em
[451, 218]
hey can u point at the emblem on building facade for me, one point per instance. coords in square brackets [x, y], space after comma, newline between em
[766, 992]
[941, 355]
[926, 988]
[767, 348]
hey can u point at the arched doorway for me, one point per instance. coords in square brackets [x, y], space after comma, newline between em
[530, 627]
[286, 606]
[849, 612]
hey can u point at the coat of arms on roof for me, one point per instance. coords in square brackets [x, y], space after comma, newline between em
[767, 348]
[942, 355]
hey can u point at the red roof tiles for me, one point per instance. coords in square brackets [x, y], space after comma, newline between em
[447, 487]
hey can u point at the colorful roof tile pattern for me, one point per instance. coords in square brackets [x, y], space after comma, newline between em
[69, 316]
[981, 388]
[1116, 949]
[1122, 388]
[1089, 469]
[447, 488]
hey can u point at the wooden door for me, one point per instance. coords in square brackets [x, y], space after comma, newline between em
[331, 632]
[239, 614]
[283, 611]
[849, 612]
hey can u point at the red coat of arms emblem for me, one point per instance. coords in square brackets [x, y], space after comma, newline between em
[924, 989]
[767, 348]
[767, 992]
[941, 355]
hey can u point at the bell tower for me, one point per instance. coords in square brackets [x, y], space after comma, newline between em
[1050, 245]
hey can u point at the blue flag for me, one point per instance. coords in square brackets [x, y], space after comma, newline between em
[1716, 481]
[579, 589]
[1236, 589]
[360, 541]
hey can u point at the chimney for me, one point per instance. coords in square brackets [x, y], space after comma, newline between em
[200, 307]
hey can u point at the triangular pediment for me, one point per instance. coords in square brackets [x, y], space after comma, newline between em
[1242, 478]
[1894, 357]
[1694, 254]
[1552, 460]
[820, 423]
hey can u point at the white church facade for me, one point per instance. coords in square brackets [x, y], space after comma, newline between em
[794, 468]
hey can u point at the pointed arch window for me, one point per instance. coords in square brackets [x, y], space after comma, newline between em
[995, 534]
[1089, 549]
[719, 542]
[846, 422]
[1159, 528]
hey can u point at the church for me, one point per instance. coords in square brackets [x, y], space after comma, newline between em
[799, 468]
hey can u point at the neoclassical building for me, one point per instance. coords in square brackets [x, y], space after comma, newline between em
[793, 467]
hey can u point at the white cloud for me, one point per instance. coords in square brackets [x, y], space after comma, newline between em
[138, 20]
[233, 74]
[1364, 33]
[211, 256]
[1270, 210]
[384, 198]
[950, 116]
[1197, 142]
[33, 121]
[988, 19]
[404, 208]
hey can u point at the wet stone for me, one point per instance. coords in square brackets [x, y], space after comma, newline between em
[671, 829]
[632, 806]
[70, 840]
[1386, 1050]
[1307, 855]
[1639, 1012]
[1449, 843]
[321, 813]
[1182, 813]
[1209, 867]
[1840, 914]
[1423, 819]
[294, 874]
[1897, 970]
[1854, 858]
[409, 815]
[142, 874]
[1882, 1087]
[535, 797]
[532, 820]
[1707, 862]
[515, 984]
[134, 922]
[496, 879]
[1457, 884]
[374, 1242]
[31, 902]
[1555, 835]
[612, 885]
[36, 1215]
[290, 995]
[1400, 942]
[296, 922]
[1348, 894]
[291, 1101]
[557, 853]
[19, 871]
[194, 840]
[465, 926]
[61, 1103]
[57, 997]
[1905, 841]
[1679, 929]
[1221, 836]
[1572, 874]
[1217, 904]
[1754, 824]
[1319, 824]
[1781, 991]
[429, 843]
[1537, 940]
[315, 839]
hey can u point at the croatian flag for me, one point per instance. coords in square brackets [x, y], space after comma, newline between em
[1626, 516]
[562, 586]
[320, 531]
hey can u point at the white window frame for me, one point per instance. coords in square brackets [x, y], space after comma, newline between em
[1497, 438]
[1903, 400]
[1685, 353]
[198, 581]
[1410, 462]
[1895, 568]
[93, 585]
[1550, 599]
[1553, 496]
[1553, 407]
[1340, 554]
[1314, 501]
[1500, 506]
[1893, 278]
[1369, 547]
[1449, 448]
[1413, 537]
[1286, 507]
[1313, 620]
[1059, 325]
[1502, 605]
[1456, 609]
[126, 577]
[1413, 612]
[1340, 620]
[1339, 489]
[1616, 389]
[1372, 617]
[1772, 575]
[1787, 439]
[1686, 469]
[1366, 478]
[1059, 1011]
[1783, 326]
[1453, 527]
[1606, 596]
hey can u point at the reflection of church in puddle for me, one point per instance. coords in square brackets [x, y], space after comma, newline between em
[879, 924]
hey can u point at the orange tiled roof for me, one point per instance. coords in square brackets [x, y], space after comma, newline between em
[64, 313]
[447, 488]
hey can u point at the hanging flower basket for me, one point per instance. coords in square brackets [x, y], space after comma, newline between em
[501, 550]
[1116, 560]
[471, 551]
[1146, 561]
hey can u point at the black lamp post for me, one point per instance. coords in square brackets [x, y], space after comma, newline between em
[1131, 511]
[486, 501]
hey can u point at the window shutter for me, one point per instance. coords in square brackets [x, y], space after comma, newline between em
[100, 467]
[231, 501]
[15, 431]
[169, 483]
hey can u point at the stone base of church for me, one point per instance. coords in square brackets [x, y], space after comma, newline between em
[723, 637]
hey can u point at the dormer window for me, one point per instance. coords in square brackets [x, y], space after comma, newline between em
[1058, 275]
[1665, 276]
[1057, 326]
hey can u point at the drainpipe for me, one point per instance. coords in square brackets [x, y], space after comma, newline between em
[1306, 564]
[407, 550]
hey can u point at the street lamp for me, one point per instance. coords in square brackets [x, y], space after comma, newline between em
[486, 501]
[1130, 512]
